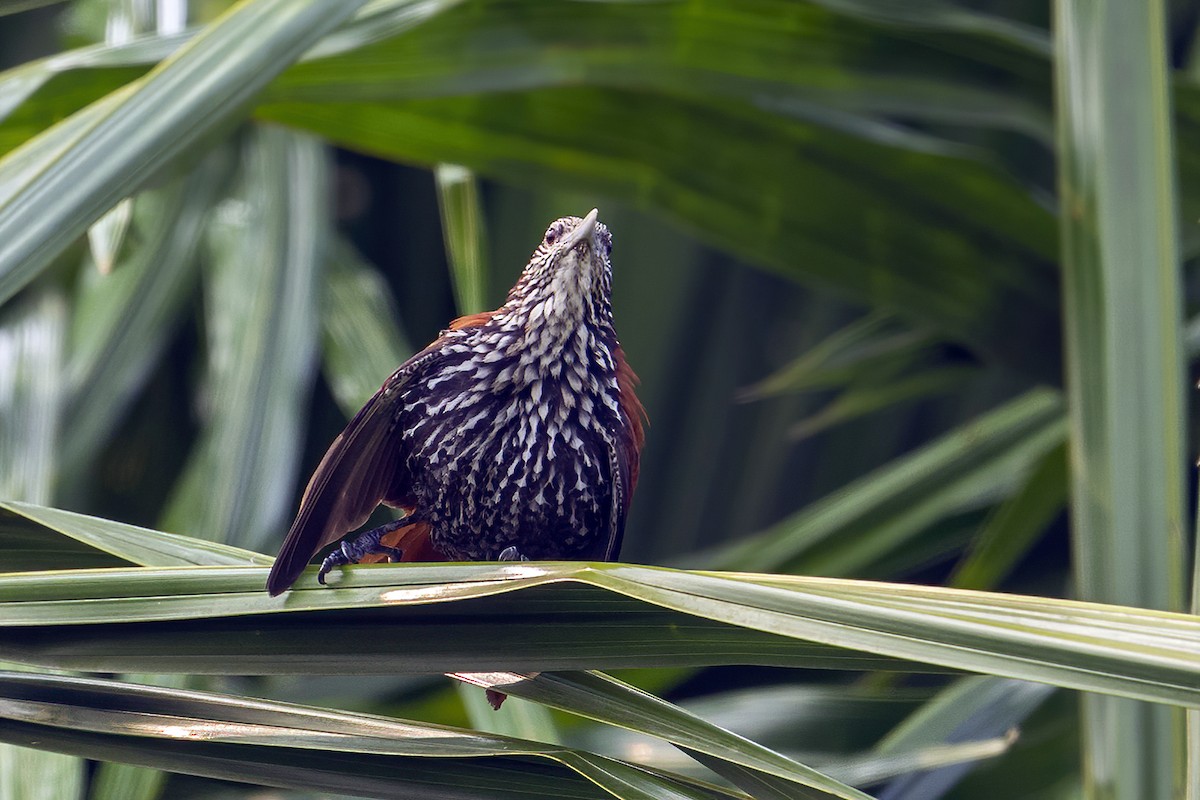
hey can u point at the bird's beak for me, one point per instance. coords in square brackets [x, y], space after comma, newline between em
[583, 232]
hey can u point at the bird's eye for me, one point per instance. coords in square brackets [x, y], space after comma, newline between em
[606, 240]
[554, 232]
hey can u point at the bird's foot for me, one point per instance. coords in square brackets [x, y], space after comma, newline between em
[511, 553]
[353, 551]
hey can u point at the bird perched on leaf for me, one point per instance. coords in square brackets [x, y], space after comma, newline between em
[515, 435]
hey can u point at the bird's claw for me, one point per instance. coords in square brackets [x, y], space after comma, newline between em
[334, 559]
[511, 553]
[351, 552]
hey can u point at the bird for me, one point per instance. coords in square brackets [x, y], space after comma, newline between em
[515, 435]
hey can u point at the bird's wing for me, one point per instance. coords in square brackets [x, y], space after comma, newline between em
[359, 471]
[620, 500]
[624, 453]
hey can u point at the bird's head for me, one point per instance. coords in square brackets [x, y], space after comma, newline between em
[569, 277]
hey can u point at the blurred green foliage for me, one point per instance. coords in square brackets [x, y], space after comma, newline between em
[837, 272]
